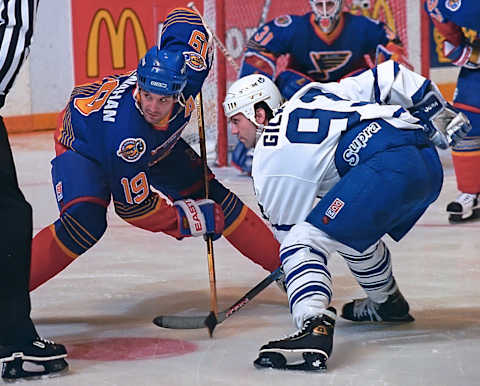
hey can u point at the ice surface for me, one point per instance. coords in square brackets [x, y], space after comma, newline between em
[108, 297]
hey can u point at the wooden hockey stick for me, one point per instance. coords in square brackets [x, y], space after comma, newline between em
[218, 42]
[211, 320]
[195, 322]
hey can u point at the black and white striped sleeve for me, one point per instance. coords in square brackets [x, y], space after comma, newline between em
[16, 30]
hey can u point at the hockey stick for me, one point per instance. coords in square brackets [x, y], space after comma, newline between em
[194, 322]
[211, 320]
[219, 43]
[263, 16]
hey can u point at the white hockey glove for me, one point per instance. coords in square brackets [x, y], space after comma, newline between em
[445, 126]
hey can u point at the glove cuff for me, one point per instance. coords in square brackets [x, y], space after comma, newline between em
[192, 220]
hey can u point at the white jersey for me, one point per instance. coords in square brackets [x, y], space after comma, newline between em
[294, 159]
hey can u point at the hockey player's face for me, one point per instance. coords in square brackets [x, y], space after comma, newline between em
[155, 107]
[243, 129]
[326, 12]
[326, 7]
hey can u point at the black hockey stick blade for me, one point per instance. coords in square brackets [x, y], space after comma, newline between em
[179, 322]
[211, 322]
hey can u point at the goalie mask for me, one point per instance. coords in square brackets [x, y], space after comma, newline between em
[162, 72]
[246, 92]
[327, 13]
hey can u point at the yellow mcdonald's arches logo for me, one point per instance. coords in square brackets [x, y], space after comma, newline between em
[378, 6]
[389, 19]
[116, 34]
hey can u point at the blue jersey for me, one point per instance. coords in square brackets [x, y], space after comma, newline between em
[320, 56]
[104, 123]
[464, 14]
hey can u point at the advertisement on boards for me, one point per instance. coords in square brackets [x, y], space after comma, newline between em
[110, 37]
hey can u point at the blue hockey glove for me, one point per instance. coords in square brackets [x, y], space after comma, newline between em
[290, 81]
[242, 158]
[443, 124]
[198, 218]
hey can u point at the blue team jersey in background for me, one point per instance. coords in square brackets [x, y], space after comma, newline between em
[314, 53]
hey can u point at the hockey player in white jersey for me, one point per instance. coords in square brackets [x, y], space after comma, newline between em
[364, 147]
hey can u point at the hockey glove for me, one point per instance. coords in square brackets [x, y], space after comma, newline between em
[197, 218]
[392, 51]
[443, 124]
[457, 47]
[290, 81]
[242, 158]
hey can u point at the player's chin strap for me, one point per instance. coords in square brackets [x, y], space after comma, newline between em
[444, 125]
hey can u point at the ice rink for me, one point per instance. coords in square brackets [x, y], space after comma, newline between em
[102, 305]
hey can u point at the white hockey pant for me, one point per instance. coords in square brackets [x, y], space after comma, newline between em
[304, 253]
[372, 269]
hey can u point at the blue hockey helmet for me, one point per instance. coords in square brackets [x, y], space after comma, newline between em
[162, 72]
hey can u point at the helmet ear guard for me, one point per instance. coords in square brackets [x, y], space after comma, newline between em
[246, 92]
[162, 72]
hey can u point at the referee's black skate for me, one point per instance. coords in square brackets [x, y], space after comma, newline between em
[33, 360]
[307, 349]
[395, 309]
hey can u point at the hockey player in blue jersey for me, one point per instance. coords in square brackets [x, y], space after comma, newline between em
[459, 23]
[323, 45]
[363, 146]
[120, 137]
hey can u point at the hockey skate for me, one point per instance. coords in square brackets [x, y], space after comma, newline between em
[395, 309]
[465, 207]
[25, 361]
[307, 349]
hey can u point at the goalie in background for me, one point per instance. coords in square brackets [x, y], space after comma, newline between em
[363, 146]
[459, 23]
[119, 138]
[324, 45]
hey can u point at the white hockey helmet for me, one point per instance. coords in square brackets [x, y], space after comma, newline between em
[246, 92]
[327, 13]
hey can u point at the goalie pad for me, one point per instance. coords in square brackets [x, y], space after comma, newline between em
[444, 125]
[257, 63]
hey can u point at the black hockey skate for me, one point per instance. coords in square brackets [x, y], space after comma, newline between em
[466, 207]
[308, 349]
[395, 309]
[17, 359]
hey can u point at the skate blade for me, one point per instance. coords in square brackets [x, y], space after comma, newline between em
[404, 319]
[310, 362]
[20, 371]
[462, 218]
